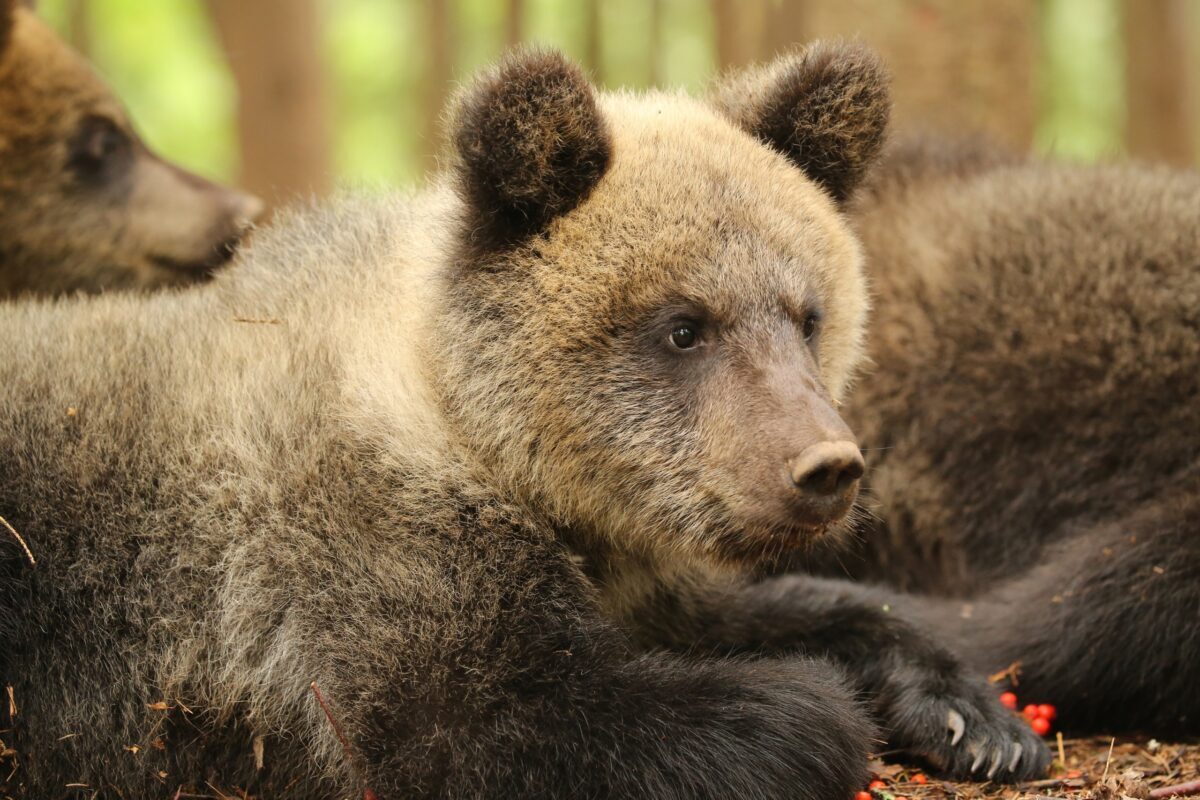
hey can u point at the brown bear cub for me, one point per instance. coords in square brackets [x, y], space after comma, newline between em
[1033, 422]
[494, 480]
[84, 205]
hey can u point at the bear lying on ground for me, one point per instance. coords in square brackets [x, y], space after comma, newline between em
[84, 205]
[489, 466]
[1032, 422]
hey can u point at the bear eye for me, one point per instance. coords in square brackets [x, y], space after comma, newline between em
[684, 335]
[809, 327]
[98, 146]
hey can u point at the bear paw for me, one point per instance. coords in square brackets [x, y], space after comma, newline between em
[967, 735]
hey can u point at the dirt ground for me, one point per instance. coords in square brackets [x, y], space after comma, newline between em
[1137, 769]
[1098, 768]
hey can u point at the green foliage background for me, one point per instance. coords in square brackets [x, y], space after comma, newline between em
[163, 60]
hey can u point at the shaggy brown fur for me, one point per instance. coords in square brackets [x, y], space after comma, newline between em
[490, 506]
[1032, 422]
[83, 204]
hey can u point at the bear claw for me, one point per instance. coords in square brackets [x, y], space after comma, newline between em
[957, 725]
[1016, 757]
[997, 760]
[980, 756]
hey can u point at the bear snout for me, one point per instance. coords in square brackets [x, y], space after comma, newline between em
[827, 468]
[823, 480]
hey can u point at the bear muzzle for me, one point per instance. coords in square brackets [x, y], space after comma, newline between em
[824, 480]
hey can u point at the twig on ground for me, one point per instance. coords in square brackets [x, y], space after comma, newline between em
[1108, 761]
[1178, 790]
[1051, 783]
[20, 541]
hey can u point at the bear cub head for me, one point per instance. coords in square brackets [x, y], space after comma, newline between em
[657, 303]
[84, 204]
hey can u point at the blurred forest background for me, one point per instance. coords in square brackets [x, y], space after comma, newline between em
[292, 97]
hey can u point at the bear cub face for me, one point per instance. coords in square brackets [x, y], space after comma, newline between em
[84, 205]
[651, 337]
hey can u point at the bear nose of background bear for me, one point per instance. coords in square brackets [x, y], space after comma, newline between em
[827, 468]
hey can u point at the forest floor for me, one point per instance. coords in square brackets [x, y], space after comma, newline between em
[1099, 768]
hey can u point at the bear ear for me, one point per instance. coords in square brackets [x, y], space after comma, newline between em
[531, 145]
[825, 107]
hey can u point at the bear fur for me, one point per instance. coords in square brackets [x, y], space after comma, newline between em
[84, 205]
[1031, 422]
[446, 458]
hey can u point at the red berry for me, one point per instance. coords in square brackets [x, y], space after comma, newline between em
[1047, 711]
[873, 785]
[1041, 726]
[863, 796]
[920, 778]
[1030, 711]
[1009, 700]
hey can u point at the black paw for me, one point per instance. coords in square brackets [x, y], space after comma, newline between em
[965, 733]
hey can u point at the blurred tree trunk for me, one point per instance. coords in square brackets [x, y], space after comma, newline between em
[740, 30]
[1159, 112]
[593, 53]
[79, 26]
[514, 23]
[957, 66]
[439, 71]
[787, 26]
[274, 53]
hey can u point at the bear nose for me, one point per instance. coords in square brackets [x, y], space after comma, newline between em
[827, 468]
